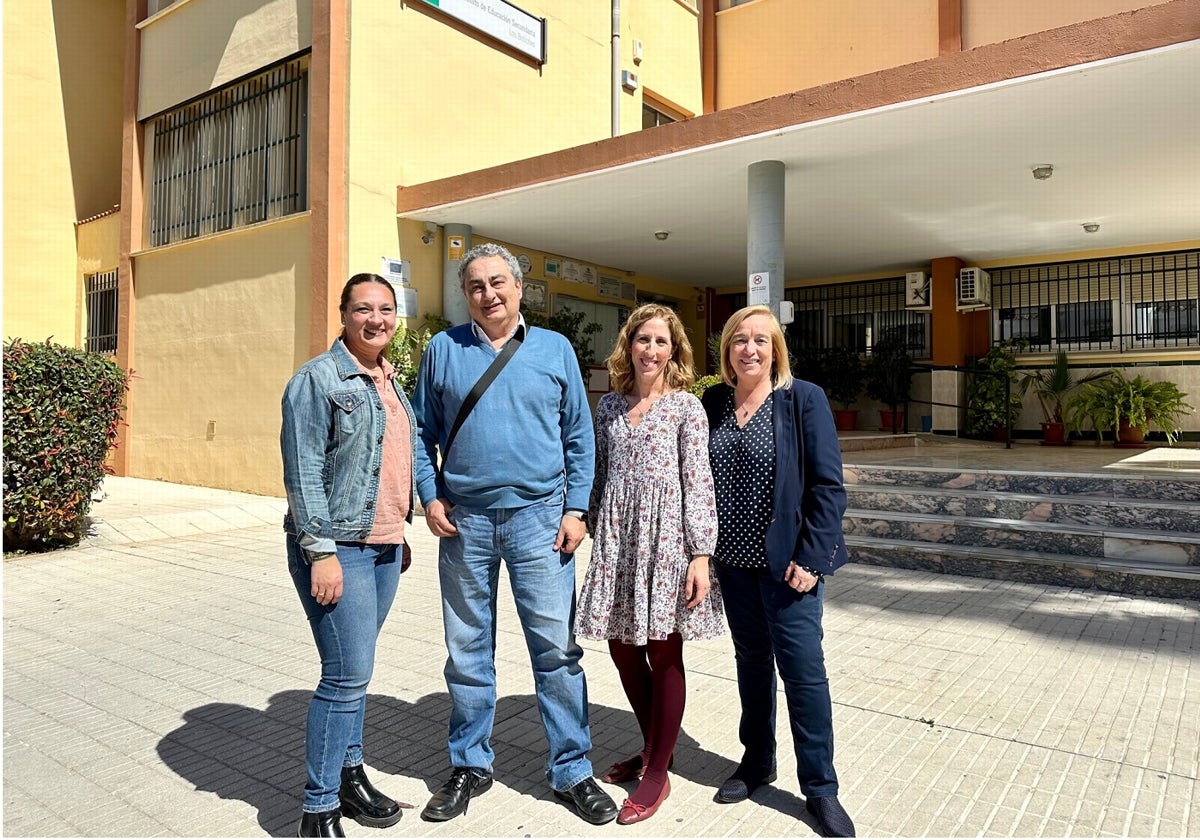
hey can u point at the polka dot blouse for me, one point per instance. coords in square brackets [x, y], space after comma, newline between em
[743, 467]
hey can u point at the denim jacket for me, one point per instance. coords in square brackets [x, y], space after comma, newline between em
[332, 445]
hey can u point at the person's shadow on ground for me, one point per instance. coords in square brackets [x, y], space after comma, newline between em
[257, 755]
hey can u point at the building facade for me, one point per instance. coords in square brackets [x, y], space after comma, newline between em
[216, 170]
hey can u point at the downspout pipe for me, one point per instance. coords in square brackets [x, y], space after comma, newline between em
[616, 67]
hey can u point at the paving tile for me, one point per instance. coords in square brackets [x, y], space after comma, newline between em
[180, 668]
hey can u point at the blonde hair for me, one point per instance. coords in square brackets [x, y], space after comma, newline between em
[781, 371]
[679, 373]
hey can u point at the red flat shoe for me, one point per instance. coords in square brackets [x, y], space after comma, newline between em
[629, 770]
[631, 812]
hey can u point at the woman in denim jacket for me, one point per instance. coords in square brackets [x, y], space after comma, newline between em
[348, 438]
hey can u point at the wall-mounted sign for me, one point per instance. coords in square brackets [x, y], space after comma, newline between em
[587, 274]
[397, 272]
[525, 263]
[406, 301]
[503, 21]
[550, 267]
[609, 286]
[570, 271]
[758, 288]
[455, 247]
[536, 296]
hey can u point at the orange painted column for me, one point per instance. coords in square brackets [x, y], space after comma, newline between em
[948, 337]
[133, 138]
[328, 79]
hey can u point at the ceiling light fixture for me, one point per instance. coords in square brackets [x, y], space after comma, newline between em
[661, 235]
[1091, 227]
[1043, 171]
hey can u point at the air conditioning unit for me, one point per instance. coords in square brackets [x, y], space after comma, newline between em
[916, 291]
[974, 288]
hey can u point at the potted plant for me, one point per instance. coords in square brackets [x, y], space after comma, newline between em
[842, 376]
[992, 404]
[889, 378]
[1127, 408]
[1052, 386]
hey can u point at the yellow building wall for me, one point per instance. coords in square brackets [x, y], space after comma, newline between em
[771, 47]
[194, 46]
[670, 66]
[220, 330]
[418, 110]
[993, 21]
[40, 290]
[98, 244]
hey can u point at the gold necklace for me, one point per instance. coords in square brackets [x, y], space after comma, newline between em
[748, 407]
[636, 411]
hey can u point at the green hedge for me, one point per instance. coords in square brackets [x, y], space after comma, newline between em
[62, 408]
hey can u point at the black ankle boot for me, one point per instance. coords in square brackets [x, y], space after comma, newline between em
[364, 804]
[323, 824]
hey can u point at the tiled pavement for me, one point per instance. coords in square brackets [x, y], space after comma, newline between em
[156, 680]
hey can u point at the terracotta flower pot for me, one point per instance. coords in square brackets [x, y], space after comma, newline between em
[845, 419]
[1129, 434]
[887, 423]
[1054, 434]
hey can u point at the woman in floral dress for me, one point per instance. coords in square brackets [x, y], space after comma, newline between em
[653, 521]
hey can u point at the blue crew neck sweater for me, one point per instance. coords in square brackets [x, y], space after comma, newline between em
[529, 439]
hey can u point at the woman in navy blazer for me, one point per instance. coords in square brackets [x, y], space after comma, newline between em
[780, 499]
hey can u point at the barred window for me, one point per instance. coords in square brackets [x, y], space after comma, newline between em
[236, 157]
[855, 315]
[102, 312]
[1107, 304]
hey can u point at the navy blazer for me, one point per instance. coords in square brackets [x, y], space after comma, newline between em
[810, 498]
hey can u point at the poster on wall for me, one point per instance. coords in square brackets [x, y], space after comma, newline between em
[570, 271]
[536, 296]
[609, 286]
[598, 380]
[587, 275]
[550, 267]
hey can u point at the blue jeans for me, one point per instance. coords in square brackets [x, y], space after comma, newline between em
[773, 625]
[543, 586]
[345, 633]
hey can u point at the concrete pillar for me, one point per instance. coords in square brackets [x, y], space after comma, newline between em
[764, 229]
[456, 240]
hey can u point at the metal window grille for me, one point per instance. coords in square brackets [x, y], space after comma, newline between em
[102, 312]
[854, 315]
[1111, 304]
[233, 158]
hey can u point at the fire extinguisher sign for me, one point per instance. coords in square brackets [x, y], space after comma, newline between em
[758, 288]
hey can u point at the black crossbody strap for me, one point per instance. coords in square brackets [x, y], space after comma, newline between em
[488, 377]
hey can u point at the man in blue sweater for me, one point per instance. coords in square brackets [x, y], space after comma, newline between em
[513, 484]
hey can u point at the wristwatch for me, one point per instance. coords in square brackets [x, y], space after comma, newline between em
[578, 514]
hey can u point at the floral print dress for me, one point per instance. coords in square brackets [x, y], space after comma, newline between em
[652, 508]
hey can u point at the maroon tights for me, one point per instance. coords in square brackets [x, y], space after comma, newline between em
[653, 679]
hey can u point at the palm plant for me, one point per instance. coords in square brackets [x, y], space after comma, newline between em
[1053, 385]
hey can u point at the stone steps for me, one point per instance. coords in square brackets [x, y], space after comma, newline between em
[1134, 534]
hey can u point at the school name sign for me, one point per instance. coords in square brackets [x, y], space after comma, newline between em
[503, 21]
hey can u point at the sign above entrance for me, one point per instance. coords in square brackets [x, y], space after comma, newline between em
[503, 21]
